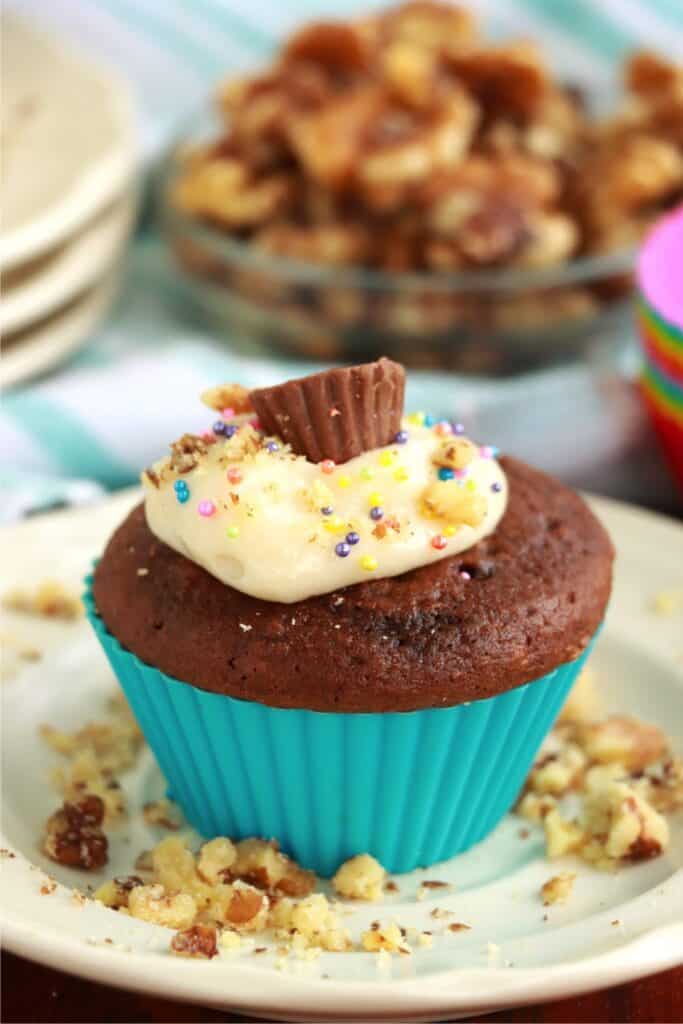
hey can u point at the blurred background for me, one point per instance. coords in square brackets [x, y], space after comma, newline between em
[189, 199]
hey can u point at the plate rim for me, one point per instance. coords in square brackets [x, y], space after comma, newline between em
[491, 988]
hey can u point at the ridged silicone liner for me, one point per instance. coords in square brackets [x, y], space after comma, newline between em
[411, 788]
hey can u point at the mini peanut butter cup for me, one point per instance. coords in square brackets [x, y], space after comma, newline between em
[336, 414]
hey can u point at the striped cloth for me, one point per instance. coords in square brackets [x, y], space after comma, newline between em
[112, 410]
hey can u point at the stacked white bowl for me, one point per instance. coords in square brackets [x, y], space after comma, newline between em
[67, 196]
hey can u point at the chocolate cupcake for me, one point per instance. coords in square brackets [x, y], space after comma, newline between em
[348, 656]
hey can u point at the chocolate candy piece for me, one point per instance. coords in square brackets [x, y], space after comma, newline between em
[336, 414]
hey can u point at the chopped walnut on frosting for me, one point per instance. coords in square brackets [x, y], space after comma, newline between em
[224, 397]
[457, 505]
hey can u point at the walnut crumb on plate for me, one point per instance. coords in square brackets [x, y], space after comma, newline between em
[668, 602]
[50, 600]
[558, 889]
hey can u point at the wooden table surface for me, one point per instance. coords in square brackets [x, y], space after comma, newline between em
[38, 995]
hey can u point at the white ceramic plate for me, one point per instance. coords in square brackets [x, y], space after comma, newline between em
[73, 268]
[68, 142]
[50, 342]
[614, 927]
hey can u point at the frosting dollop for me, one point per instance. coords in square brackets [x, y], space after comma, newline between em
[278, 527]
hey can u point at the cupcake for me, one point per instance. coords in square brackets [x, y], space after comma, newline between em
[347, 629]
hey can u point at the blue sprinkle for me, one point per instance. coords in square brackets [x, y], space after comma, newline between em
[496, 487]
[230, 430]
[445, 473]
[495, 452]
[376, 512]
[326, 510]
[342, 549]
[352, 538]
[273, 446]
[429, 421]
[457, 428]
[219, 427]
[401, 437]
[182, 491]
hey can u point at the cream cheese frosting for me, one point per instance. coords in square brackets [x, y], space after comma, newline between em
[278, 527]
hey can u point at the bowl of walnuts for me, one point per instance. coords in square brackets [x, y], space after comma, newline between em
[399, 185]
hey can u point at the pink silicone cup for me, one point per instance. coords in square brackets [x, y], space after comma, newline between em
[660, 269]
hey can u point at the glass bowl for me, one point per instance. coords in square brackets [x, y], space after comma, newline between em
[489, 323]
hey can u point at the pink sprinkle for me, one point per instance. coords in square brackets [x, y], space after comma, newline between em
[228, 413]
[465, 576]
[443, 429]
[207, 435]
[235, 476]
[486, 451]
[206, 508]
[459, 474]
[255, 423]
[327, 466]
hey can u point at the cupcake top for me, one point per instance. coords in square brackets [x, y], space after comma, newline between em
[335, 556]
[268, 517]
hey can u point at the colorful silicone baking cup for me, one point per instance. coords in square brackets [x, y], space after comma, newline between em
[666, 416]
[663, 392]
[662, 344]
[411, 788]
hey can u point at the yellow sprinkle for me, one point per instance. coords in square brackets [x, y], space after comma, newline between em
[401, 474]
[417, 418]
[470, 485]
[233, 531]
[387, 458]
[368, 563]
[375, 499]
[335, 524]
[367, 473]
[344, 480]
[449, 531]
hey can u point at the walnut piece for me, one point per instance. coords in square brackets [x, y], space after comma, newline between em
[73, 834]
[626, 741]
[228, 396]
[162, 813]
[457, 505]
[558, 889]
[388, 937]
[199, 941]
[360, 878]
[50, 600]
[152, 903]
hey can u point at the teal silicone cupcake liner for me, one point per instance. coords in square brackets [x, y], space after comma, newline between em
[411, 788]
